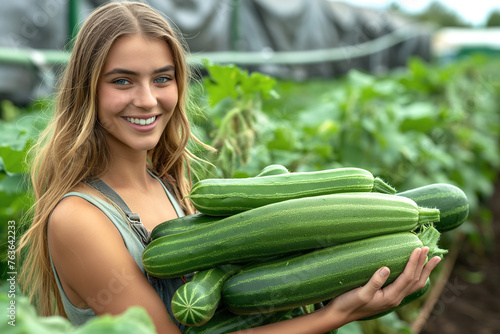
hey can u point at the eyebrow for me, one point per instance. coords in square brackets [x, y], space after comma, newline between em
[168, 68]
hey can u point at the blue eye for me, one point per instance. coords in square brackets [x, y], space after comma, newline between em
[162, 80]
[121, 82]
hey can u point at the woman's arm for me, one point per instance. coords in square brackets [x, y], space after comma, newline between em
[94, 266]
[362, 302]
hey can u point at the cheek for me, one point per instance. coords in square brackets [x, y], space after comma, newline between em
[169, 101]
[110, 102]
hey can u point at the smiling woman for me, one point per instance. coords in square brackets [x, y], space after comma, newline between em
[113, 164]
[119, 131]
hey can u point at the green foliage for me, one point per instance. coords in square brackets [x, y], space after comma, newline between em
[425, 124]
[19, 129]
[234, 100]
[26, 321]
[493, 19]
[436, 13]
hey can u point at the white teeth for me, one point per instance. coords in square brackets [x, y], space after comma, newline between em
[141, 121]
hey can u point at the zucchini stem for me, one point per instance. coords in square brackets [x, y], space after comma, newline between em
[427, 215]
[381, 186]
[430, 238]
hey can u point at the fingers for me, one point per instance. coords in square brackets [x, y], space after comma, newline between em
[412, 264]
[374, 284]
[415, 273]
[410, 275]
[421, 262]
[429, 266]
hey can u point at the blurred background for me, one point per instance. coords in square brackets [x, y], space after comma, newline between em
[409, 90]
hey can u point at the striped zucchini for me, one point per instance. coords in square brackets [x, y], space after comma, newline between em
[193, 221]
[195, 302]
[322, 274]
[225, 197]
[225, 321]
[406, 300]
[182, 224]
[284, 227]
[273, 170]
[450, 200]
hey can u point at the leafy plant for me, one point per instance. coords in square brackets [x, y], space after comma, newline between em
[234, 100]
[18, 132]
[22, 318]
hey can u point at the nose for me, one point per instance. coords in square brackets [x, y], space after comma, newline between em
[145, 97]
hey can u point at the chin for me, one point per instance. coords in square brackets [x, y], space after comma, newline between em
[146, 146]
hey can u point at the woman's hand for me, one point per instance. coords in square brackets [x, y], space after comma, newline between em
[370, 299]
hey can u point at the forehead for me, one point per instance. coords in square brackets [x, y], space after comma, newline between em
[137, 53]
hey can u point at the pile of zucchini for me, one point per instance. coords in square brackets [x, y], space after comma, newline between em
[268, 247]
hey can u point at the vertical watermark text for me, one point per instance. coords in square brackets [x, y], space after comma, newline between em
[11, 271]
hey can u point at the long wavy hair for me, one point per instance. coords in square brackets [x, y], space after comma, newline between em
[72, 148]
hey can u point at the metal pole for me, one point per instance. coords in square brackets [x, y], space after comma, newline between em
[234, 25]
[73, 18]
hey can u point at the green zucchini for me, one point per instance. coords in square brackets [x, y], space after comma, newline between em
[284, 227]
[193, 221]
[195, 302]
[273, 170]
[322, 274]
[225, 197]
[225, 321]
[451, 201]
[182, 224]
[406, 300]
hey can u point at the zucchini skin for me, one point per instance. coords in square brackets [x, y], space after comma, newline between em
[225, 321]
[317, 276]
[225, 197]
[195, 302]
[451, 201]
[190, 222]
[284, 227]
[182, 224]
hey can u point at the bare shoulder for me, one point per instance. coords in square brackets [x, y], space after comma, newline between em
[81, 237]
[75, 217]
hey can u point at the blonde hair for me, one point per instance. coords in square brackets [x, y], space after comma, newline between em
[72, 148]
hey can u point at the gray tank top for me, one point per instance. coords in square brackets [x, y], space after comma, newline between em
[135, 243]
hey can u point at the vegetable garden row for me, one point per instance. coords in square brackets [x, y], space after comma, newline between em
[432, 133]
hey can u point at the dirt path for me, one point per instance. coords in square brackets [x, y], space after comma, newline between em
[471, 308]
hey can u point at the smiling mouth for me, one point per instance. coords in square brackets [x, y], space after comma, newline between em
[141, 121]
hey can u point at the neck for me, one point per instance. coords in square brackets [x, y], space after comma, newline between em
[127, 169]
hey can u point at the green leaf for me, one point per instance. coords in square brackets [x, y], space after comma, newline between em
[134, 321]
[13, 136]
[284, 139]
[419, 116]
[259, 83]
[351, 328]
[359, 79]
[13, 184]
[223, 82]
[13, 160]
[8, 110]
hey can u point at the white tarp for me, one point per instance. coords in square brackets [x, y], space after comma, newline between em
[265, 26]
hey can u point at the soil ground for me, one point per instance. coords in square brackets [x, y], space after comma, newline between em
[467, 307]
